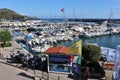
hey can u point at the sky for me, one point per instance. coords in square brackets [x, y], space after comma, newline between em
[72, 8]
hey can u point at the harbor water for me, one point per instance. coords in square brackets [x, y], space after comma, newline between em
[110, 41]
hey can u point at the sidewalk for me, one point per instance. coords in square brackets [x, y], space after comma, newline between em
[52, 76]
[16, 67]
[39, 74]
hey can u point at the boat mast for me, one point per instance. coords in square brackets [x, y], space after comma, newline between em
[74, 15]
[81, 19]
[111, 15]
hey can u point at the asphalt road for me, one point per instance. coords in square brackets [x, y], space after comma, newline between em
[11, 73]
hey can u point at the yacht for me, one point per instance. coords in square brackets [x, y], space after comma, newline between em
[41, 48]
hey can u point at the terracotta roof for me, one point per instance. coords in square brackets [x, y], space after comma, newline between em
[57, 49]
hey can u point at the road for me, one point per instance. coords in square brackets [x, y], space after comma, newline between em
[11, 73]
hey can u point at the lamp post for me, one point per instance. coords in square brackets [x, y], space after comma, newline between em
[1, 50]
[45, 73]
[27, 38]
[13, 43]
[27, 52]
[33, 63]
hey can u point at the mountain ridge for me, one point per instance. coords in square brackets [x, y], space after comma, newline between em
[8, 14]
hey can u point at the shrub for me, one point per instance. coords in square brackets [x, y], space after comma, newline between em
[95, 68]
[91, 52]
[5, 36]
[8, 44]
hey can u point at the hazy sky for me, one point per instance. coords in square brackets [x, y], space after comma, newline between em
[73, 8]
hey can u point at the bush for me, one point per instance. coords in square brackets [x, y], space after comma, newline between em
[91, 52]
[96, 69]
[5, 36]
[8, 44]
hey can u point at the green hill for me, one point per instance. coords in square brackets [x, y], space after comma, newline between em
[10, 15]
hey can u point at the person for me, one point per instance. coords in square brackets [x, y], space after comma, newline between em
[86, 74]
[24, 64]
[18, 52]
[17, 57]
[0, 55]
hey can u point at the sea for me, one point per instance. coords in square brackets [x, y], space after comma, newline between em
[110, 41]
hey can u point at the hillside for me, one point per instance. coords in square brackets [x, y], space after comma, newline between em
[10, 14]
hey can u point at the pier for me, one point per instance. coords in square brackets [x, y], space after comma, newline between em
[96, 20]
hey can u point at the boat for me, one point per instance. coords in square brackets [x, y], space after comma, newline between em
[41, 48]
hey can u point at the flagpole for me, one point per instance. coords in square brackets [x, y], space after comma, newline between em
[80, 75]
[27, 52]
[64, 17]
[13, 43]
[76, 49]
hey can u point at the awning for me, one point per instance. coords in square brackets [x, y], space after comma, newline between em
[57, 49]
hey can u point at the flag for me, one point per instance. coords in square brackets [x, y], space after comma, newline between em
[76, 48]
[62, 9]
[77, 59]
[71, 58]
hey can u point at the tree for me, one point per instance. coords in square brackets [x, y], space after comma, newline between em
[91, 52]
[5, 36]
[97, 69]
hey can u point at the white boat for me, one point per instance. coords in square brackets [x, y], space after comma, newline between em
[41, 48]
[86, 35]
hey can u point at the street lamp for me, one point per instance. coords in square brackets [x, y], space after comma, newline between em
[13, 43]
[45, 73]
[33, 63]
[0, 49]
[27, 52]
[27, 38]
